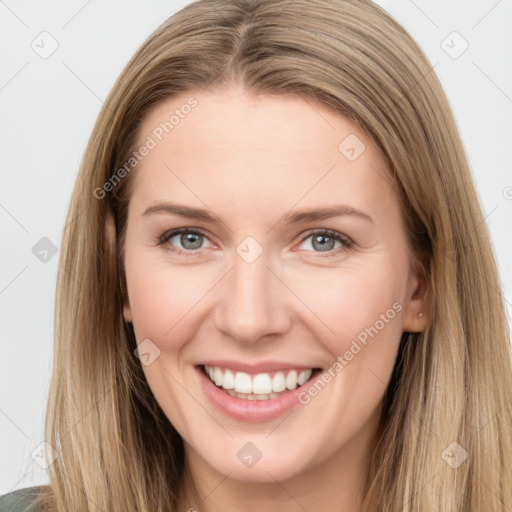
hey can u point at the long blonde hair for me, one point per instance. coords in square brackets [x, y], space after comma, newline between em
[451, 383]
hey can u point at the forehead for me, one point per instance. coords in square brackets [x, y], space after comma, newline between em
[248, 150]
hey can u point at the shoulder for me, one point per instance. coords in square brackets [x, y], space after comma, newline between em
[21, 500]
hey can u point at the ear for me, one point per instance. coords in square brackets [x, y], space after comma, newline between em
[110, 239]
[127, 310]
[417, 300]
[110, 242]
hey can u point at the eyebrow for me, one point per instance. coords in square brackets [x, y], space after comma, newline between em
[293, 217]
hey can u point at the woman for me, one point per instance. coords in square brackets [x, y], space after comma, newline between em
[208, 356]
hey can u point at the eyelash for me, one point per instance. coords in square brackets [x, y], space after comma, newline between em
[346, 242]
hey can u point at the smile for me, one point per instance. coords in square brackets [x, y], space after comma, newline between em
[260, 386]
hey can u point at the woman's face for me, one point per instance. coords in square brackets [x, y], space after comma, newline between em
[292, 261]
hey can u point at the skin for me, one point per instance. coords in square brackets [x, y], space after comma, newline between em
[250, 160]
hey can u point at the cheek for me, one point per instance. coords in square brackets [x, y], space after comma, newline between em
[346, 302]
[164, 298]
[358, 320]
[352, 302]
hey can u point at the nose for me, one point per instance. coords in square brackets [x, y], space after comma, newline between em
[254, 302]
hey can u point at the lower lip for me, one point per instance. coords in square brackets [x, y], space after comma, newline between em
[252, 411]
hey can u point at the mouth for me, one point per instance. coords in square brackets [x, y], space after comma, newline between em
[258, 386]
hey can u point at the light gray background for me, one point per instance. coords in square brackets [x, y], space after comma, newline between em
[47, 110]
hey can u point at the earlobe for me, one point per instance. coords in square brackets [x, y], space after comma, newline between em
[417, 302]
[127, 312]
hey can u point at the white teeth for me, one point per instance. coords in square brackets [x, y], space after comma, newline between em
[228, 381]
[217, 375]
[291, 380]
[303, 376]
[258, 387]
[262, 384]
[243, 383]
[278, 382]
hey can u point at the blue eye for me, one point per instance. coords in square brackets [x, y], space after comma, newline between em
[325, 239]
[191, 240]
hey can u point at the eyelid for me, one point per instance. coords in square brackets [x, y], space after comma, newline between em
[163, 239]
[178, 231]
[346, 241]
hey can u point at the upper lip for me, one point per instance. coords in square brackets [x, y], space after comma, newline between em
[261, 367]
